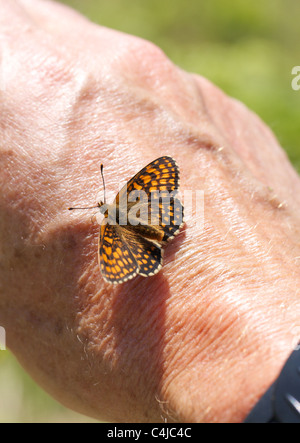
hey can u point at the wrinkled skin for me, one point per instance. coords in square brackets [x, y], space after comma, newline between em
[203, 339]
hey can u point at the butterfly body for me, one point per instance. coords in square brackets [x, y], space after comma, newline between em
[144, 216]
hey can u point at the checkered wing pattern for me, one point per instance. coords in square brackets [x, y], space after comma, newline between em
[160, 180]
[117, 262]
[161, 174]
[124, 254]
[147, 254]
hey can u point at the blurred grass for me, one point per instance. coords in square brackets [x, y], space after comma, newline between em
[22, 400]
[247, 48]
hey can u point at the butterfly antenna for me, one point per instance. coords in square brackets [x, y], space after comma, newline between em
[101, 169]
[99, 204]
[87, 207]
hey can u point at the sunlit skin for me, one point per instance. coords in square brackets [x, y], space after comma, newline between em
[204, 338]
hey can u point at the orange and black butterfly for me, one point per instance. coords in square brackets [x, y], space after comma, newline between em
[144, 216]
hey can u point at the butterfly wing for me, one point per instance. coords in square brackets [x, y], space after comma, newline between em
[124, 254]
[147, 254]
[160, 181]
[161, 174]
[116, 261]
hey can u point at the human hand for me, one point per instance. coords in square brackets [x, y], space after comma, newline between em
[204, 338]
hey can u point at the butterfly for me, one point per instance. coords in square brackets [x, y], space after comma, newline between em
[145, 215]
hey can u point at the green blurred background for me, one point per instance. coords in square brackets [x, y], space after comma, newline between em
[247, 48]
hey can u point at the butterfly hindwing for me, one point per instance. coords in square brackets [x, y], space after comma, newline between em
[117, 262]
[147, 254]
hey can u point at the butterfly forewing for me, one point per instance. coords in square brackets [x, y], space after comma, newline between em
[160, 182]
[160, 175]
